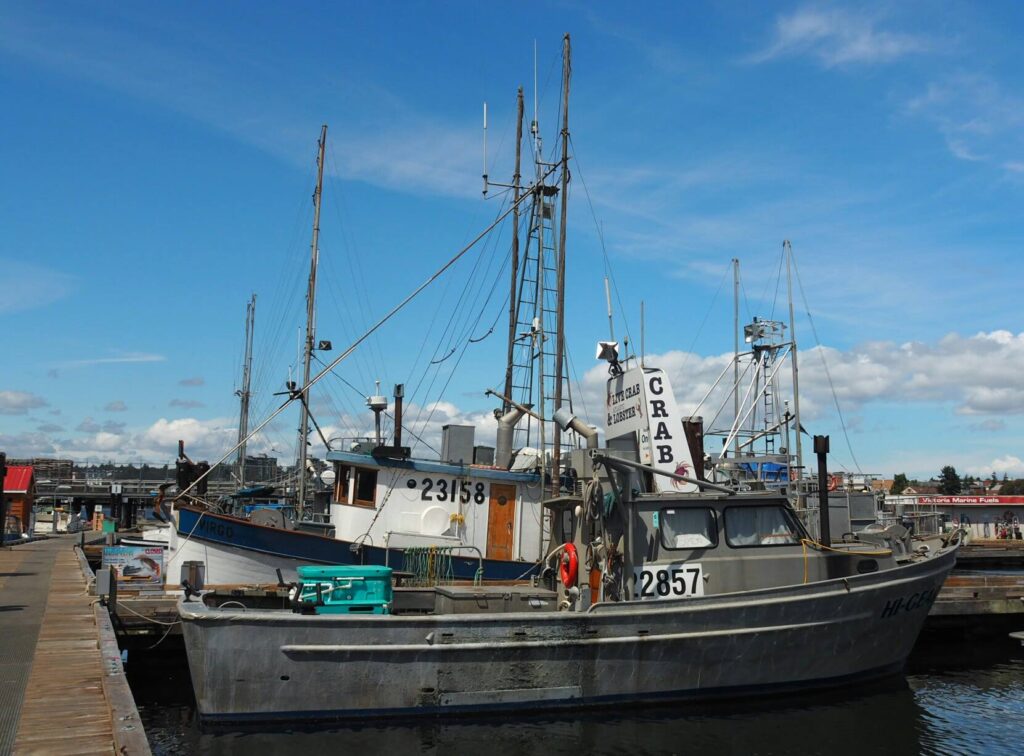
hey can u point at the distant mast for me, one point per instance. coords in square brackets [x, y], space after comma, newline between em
[310, 325]
[244, 393]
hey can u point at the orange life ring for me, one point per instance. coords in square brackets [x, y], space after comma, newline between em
[833, 482]
[569, 565]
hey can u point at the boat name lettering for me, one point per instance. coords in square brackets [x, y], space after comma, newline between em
[676, 580]
[213, 527]
[449, 489]
[919, 600]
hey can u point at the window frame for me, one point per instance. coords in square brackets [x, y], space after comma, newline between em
[788, 516]
[661, 529]
[366, 503]
[353, 477]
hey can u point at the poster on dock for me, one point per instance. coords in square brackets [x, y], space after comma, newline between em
[135, 566]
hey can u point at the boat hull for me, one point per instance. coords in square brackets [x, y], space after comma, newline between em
[237, 551]
[259, 666]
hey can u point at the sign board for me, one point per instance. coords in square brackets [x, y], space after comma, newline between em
[640, 402]
[992, 501]
[135, 566]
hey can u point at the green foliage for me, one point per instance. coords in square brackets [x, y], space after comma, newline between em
[1012, 488]
[949, 481]
[899, 483]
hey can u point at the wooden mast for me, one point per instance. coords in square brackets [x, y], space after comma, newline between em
[560, 314]
[513, 298]
[310, 324]
[244, 393]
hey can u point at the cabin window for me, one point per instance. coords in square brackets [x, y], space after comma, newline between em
[688, 528]
[343, 474]
[366, 487]
[760, 526]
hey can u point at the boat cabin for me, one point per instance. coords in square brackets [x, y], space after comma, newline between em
[414, 503]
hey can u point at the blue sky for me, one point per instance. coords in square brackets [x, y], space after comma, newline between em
[158, 163]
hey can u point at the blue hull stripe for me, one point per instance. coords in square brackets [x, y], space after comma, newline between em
[315, 549]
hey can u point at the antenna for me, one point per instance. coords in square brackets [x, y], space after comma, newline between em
[641, 333]
[485, 148]
[608, 302]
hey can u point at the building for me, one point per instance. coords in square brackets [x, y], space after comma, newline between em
[19, 494]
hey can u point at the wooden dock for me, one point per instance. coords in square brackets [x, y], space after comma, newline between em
[62, 685]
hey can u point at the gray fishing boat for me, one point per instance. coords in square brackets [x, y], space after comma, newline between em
[656, 584]
[651, 593]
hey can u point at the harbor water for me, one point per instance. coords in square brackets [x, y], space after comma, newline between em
[959, 696]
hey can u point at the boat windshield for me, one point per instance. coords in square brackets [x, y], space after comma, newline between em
[768, 525]
[689, 528]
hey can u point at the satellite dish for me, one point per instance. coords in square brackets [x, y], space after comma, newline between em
[327, 477]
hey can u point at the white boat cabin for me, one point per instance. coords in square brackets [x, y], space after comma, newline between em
[409, 503]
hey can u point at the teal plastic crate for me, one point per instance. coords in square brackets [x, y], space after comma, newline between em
[348, 589]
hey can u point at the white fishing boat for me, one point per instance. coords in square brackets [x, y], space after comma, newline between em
[481, 518]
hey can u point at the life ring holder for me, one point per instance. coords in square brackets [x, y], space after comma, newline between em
[833, 482]
[569, 565]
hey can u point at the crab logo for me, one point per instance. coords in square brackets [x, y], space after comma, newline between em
[681, 469]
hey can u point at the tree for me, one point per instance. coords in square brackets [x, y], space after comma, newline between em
[995, 480]
[949, 481]
[899, 482]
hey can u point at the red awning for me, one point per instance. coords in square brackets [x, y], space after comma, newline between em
[18, 479]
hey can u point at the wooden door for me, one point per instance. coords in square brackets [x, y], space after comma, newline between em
[501, 517]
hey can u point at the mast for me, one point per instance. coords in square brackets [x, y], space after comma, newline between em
[736, 343]
[513, 299]
[244, 393]
[560, 297]
[792, 337]
[310, 322]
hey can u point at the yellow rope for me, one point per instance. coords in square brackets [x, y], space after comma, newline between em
[805, 542]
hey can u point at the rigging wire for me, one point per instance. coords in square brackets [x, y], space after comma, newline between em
[604, 249]
[824, 362]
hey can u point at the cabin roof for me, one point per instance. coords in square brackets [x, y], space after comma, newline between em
[18, 479]
[421, 465]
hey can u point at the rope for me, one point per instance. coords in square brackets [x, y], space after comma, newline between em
[805, 542]
[148, 619]
[178, 551]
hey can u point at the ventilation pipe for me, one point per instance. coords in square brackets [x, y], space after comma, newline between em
[568, 421]
[506, 433]
[399, 395]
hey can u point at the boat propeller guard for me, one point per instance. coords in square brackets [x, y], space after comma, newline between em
[569, 566]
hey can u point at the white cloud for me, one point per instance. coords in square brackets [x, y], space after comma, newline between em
[978, 118]
[24, 286]
[128, 357]
[115, 406]
[837, 37]
[185, 403]
[19, 402]
[1009, 464]
[196, 380]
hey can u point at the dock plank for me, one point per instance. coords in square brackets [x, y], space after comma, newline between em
[69, 691]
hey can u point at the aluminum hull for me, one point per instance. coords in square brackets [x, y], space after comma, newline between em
[258, 666]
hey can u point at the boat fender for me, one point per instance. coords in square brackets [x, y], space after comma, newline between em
[569, 565]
